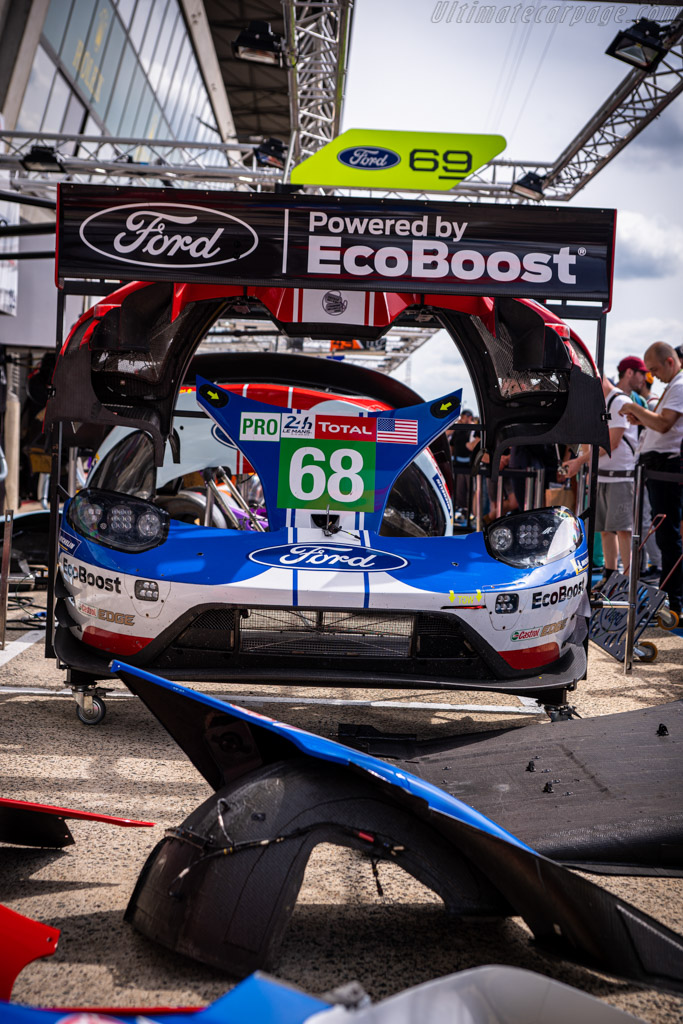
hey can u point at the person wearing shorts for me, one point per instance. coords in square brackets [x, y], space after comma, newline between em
[614, 502]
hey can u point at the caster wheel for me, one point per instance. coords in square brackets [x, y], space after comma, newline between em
[646, 651]
[99, 710]
[668, 619]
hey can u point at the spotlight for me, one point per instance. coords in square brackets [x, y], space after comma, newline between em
[259, 43]
[530, 186]
[640, 46]
[271, 153]
[41, 158]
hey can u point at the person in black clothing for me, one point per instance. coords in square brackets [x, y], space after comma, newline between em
[462, 458]
[659, 451]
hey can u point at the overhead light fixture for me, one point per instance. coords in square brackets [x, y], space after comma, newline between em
[640, 46]
[529, 186]
[259, 43]
[42, 158]
[271, 153]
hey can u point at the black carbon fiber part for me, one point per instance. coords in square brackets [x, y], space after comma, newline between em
[222, 887]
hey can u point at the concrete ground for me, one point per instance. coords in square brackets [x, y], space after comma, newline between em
[341, 928]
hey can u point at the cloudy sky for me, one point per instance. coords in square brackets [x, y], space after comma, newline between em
[537, 84]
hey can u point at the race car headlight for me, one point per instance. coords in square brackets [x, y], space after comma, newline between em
[117, 521]
[529, 539]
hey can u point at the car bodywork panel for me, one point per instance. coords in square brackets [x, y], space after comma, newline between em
[222, 886]
[126, 358]
[29, 824]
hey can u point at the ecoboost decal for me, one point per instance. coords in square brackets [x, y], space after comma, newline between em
[368, 158]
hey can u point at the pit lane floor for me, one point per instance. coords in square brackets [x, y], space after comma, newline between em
[341, 929]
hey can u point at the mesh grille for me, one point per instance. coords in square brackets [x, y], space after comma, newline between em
[516, 382]
[439, 637]
[212, 630]
[345, 634]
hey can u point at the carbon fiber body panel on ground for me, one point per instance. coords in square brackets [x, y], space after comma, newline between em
[221, 888]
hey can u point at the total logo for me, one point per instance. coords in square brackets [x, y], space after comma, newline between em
[539, 599]
[323, 557]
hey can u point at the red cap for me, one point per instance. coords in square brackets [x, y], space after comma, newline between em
[631, 363]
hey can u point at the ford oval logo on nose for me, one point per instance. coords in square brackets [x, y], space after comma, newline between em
[326, 557]
[368, 158]
[175, 235]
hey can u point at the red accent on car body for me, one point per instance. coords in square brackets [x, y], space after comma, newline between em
[116, 643]
[531, 657]
[66, 812]
[22, 940]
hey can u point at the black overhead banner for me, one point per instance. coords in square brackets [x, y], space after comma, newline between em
[328, 242]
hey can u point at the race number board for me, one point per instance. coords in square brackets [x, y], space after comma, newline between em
[312, 460]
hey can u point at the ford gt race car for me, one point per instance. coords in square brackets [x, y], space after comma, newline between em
[301, 534]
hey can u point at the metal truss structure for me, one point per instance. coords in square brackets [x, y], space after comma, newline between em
[108, 160]
[317, 41]
[317, 50]
[636, 101]
[249, 336]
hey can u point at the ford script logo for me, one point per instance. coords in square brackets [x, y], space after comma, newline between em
[368, 158]
[168, 235]
[324, 557]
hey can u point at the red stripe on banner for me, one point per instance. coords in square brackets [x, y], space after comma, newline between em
[366, 318]
[353, 428]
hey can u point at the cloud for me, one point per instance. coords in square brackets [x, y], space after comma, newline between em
[661, 140]
[646, 247]
[435, 369]
[632, 338]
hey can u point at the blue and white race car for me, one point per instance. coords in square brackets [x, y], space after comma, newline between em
[304, 536]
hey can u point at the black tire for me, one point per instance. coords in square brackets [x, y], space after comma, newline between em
[99, 710]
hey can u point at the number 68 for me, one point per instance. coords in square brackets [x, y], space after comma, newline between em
[345, 463]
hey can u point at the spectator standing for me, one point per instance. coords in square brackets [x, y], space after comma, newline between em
[632, 373]
[660, 450]
[614, 500]
[650, 568]
[462, 458]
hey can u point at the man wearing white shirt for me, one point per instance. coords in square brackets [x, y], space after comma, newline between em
[614, 503]
[660, 451]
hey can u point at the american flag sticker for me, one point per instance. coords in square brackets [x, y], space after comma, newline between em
[397, 431]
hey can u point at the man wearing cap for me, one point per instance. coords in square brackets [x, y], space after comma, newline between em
[660, 451]
[632, 372]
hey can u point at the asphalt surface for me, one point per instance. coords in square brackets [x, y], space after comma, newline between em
[342, 929]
